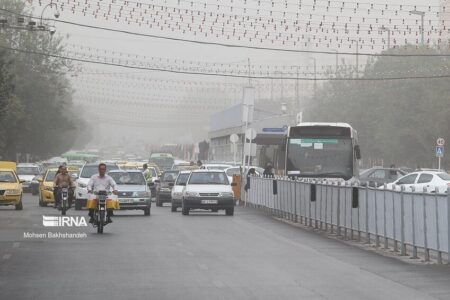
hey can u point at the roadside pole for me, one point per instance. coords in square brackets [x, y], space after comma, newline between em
[440, 143]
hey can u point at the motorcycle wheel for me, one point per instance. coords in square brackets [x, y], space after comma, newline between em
[101, 221]
[63, 207]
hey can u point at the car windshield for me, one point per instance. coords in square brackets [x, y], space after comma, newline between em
[88, 171]
[444, 176]
[130, 178]
[50, 176]
[7, 176]
[208, 178]
[320, 157]
[169, 176]
[182, 178]
[27, 170]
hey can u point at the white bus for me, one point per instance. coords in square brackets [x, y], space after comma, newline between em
[322, 150]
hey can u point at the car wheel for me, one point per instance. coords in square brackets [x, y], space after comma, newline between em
[174, 208]
[147, 211]
[229, 211]
[78, 205]
[19, 206]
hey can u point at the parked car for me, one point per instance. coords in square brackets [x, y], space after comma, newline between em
[377, 176]
[177, 189]
[83, 178]
[26, 173]
[210, 190]
[417, 181]
[163, 188]
[133, 192]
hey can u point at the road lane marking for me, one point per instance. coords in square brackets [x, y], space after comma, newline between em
[6, 256]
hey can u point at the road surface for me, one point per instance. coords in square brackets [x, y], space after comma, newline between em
[201, 256]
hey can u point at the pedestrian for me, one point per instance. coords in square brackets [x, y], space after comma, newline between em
[268, 171]
[251, 172]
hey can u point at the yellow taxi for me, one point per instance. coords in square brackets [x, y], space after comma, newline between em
[46, 187]
[46, 195]
[10, 185]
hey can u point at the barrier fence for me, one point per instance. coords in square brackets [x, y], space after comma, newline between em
[405, 221]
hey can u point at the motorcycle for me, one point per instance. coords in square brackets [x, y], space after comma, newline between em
[64, 201]
[100, 204]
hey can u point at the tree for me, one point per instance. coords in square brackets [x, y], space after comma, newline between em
[398, 121]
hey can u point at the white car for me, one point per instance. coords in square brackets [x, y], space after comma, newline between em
[417, 181]
[177, 190]
[27, 172]
[210, 190]
[215, 166]
[81, 185]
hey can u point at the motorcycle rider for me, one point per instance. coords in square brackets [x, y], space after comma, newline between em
[63, 180]
[101, 182]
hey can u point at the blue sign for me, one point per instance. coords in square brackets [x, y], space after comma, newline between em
[440, 151]
[274, 129]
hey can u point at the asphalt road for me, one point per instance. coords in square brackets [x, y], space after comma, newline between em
[201, 256]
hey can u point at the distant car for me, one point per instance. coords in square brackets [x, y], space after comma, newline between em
[215, 166]
[46, 187]
[378, 176]
[177, 189]
[26, 173]
[417, 181]
[164, 188]
[83, 178]
[133, 192]
[210, 190]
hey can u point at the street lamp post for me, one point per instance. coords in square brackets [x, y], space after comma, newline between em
[422, 17]
[384, 28]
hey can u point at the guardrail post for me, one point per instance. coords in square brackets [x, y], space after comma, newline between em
[402, 225]
[345, 210]
[377, 237]
[414, 250]
[438, 244]
[338, 209]
[386, 240]
[367, 215]
[448, 225]
[425, 236]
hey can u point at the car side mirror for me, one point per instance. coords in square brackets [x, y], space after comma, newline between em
[40, 180]
[74, 176]
[357, 152]
[233, 184]
[171, 184]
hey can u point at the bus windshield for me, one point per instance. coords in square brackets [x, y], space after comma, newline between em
[321, 157]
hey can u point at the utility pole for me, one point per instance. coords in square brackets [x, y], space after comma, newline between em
[297, 91]
[422, 22]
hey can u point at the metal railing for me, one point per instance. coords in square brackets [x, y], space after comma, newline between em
[405, 221]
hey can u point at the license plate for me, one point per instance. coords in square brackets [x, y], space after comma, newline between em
[126, 200]
[209, 201]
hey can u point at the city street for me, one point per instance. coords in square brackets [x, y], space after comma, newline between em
[201, 256]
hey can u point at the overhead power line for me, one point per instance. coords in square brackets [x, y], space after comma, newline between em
[223, 75]
[232, 45]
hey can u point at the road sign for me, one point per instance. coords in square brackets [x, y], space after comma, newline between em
[440, 142]
[250, 133]
[439, 151]
[234, 138]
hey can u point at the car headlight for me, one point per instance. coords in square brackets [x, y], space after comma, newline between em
[192, 194]
[82, 185]
[13, 192]
[141, 194]
[227, 194]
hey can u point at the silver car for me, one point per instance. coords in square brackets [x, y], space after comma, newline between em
[134, 192]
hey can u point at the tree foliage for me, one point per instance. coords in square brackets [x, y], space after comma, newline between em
[37, 115]
[398, 121]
